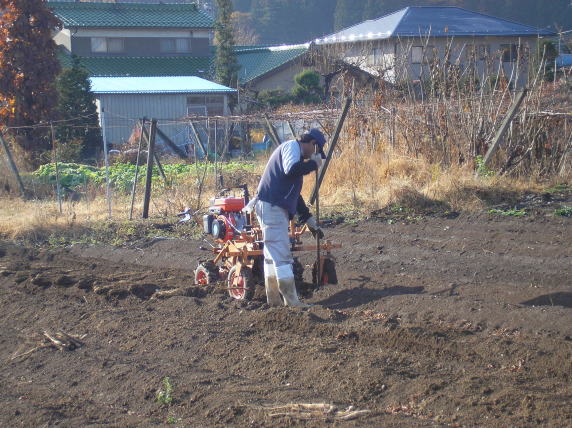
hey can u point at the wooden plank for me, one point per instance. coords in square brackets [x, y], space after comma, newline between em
[498, 139]
[331, 148]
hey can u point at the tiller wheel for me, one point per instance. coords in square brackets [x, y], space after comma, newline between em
[241, 286]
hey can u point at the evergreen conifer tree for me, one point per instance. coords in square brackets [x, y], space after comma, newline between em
[77, 108]
[226, 64]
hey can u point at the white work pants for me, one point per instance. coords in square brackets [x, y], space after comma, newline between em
[274, 222]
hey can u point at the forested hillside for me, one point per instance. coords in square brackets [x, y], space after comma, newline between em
[295, 21]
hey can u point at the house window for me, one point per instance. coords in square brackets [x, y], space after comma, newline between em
[470, 53]
[484, 52]
[211, 105]
[431, 53]
[416, 54]
[107, 45]
[115, 45]
[215, 105]
[167, 45]
[175, 45]
[509, 53]
[98, 45]
[183, 45]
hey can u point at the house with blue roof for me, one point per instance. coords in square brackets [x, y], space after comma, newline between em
[403, 45]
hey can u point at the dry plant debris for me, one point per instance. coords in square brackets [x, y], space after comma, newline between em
[59, 340]
[315, 411]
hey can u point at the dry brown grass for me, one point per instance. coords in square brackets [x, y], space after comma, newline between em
[376, 179]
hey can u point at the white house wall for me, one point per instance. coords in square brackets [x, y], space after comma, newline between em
[392, 57]
[63, 38]
[419, 71]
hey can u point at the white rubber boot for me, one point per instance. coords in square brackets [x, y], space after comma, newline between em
[273, 296]
[287, 286]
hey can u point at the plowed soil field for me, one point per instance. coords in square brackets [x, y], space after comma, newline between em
[458, 322]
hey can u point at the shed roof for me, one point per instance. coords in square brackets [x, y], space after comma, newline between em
[156, 85]
[257, 61]
[134, 15]
[435, 21]
[254, 61]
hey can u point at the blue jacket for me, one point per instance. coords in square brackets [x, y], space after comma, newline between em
[282, 180]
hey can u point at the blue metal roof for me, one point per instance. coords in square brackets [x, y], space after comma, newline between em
[155, 85]
[434, 21]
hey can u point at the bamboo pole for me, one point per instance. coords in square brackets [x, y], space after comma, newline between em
[55, 158]
[142, 122]
[107, 184]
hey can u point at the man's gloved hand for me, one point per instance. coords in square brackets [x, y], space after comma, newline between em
[314, 228]
[316, 157]
[250, 206]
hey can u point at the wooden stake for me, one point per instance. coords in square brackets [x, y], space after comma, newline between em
[498, 139]
[149, 176]
[199, 142]
[331, 148]
[13, 166]
[156, 157]
[171, 144]
[271, 131]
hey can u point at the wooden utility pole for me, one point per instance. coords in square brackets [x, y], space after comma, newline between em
[13, 166]
[149, 176]
[331, 148]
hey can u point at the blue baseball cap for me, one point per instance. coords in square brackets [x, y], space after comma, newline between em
[316, 134]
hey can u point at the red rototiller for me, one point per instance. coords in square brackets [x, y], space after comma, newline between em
[238, 248]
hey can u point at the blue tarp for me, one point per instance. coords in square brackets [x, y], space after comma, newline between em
[564, 60]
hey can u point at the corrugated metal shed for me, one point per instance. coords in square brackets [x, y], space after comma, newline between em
[156, 85]
[133, 15]
[433, 21]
